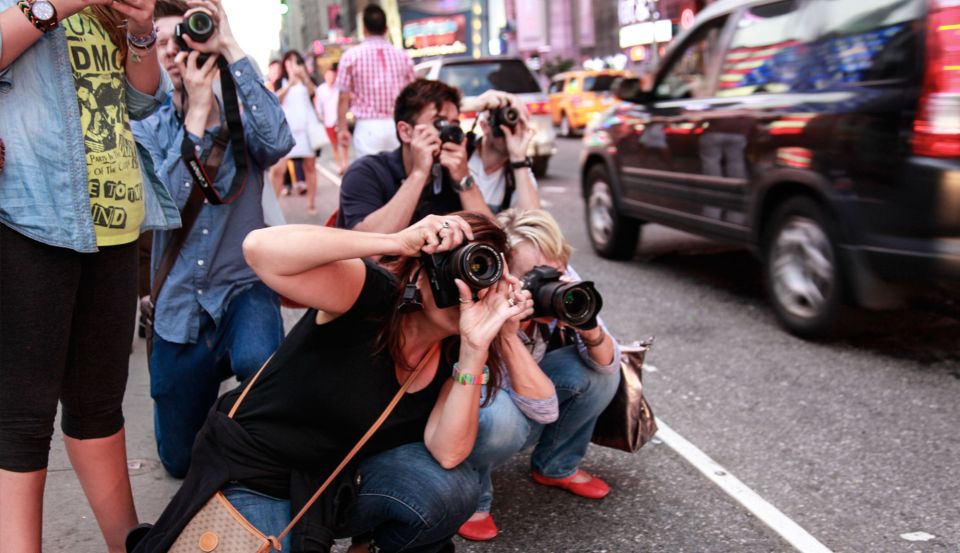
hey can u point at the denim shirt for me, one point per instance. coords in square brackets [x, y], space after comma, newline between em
[210, 269]
[44, 190]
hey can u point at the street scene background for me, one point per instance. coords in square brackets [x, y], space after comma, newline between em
[853, 438]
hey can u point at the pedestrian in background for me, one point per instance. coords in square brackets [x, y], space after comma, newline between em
[213, 317]
[73, 199]
[370, 78]
[295, 93]
[274, 72]
[326, 102]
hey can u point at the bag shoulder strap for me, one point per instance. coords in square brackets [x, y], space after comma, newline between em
[366, 437]
[188, 216]
[356, 448]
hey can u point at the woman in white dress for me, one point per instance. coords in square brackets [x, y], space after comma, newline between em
[295, 91]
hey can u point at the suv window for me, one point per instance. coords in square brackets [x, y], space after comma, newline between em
[766, 52]
[599, 83]
[475, 78]
[686, 76]
[866, 41]
[556, 86]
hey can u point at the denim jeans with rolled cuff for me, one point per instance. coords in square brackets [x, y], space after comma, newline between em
[406, 501]
[582, 393]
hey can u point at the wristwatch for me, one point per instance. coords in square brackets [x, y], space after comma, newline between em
[41, 13]
[466, 183]
[527, 162]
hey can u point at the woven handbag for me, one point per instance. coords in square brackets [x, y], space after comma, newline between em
[220, 527]
[628, 422]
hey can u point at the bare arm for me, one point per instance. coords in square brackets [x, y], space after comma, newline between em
[320, 266]
[452, 427]
[343, 128]
[526, 377]
[143, 72]
[528, 197]
[398, 212]
[18, 35]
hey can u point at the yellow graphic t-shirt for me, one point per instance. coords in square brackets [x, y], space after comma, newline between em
[116, 185]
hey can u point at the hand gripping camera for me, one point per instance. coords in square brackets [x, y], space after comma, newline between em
[199, 26]
[449, 132]
[508, 116]
[576, 303]
[477, 264]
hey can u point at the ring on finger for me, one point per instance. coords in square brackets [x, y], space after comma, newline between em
[511, 302]
[463, 301]
[446, 224]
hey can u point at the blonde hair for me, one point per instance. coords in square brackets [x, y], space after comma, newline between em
[537, 227]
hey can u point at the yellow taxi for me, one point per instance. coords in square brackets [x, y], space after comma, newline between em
[575, 96]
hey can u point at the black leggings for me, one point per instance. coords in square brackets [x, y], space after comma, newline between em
[66, 326]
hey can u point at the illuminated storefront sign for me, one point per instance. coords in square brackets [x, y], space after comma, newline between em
[436, 36]
[646, 33]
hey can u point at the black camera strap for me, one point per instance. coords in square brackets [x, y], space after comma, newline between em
[203, 174]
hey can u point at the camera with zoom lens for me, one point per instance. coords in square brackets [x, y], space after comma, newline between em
[449, 132]
[200, 27]
[508, 116]
[575, 303]
[477, 264]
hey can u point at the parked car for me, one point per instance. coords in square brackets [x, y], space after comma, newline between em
[577, 96]
[474, 76]
[824, 134]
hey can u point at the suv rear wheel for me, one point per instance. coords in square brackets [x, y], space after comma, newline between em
[802, 271]
[612, 235]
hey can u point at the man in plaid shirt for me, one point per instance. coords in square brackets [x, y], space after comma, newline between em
[372, 75]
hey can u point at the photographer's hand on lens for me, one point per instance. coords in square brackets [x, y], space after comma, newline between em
[518, 139]
[197, 78]
[481, 321]
[453, 156]
[426, 147]
[432, 234]
[222, 41]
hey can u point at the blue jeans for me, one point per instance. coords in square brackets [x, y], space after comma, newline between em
[185, 378]
[583, 394]
[406, 500]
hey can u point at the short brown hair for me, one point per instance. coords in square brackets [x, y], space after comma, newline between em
[169, 8]
[421, 93]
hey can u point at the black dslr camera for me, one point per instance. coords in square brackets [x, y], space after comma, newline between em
[449, 132]
[477, 264]
[199, 26]
[508, 116]
[576, 303]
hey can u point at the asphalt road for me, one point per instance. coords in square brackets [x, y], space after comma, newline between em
[853, 438]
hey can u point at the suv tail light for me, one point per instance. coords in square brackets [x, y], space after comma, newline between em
[538, 108]
[936, 130]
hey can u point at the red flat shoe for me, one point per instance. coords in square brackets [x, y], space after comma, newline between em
[595, 488]
[479, 530]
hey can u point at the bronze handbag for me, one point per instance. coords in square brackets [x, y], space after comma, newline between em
[628, 422]
[220, 527]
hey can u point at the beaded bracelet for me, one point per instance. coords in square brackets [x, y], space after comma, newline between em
[468, 379]
[137, 54]
[143, 42]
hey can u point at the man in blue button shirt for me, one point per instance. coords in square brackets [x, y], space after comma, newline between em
[213, 316]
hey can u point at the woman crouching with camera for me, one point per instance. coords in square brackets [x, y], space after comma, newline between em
[366, 331]
[561, 371]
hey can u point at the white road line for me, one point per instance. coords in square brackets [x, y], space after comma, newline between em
[789, 530]
[327, 173]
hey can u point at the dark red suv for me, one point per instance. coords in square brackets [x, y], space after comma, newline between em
[824, 134]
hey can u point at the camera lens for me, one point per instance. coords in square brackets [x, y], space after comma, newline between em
[200, 26]
[576, 303]
[479, 265]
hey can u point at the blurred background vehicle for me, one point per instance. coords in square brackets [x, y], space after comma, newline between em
[474, 76]
[823, 134]
[577, 96]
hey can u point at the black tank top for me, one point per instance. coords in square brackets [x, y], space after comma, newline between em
[325, 387]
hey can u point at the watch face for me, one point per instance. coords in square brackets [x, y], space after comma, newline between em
[43, 10]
